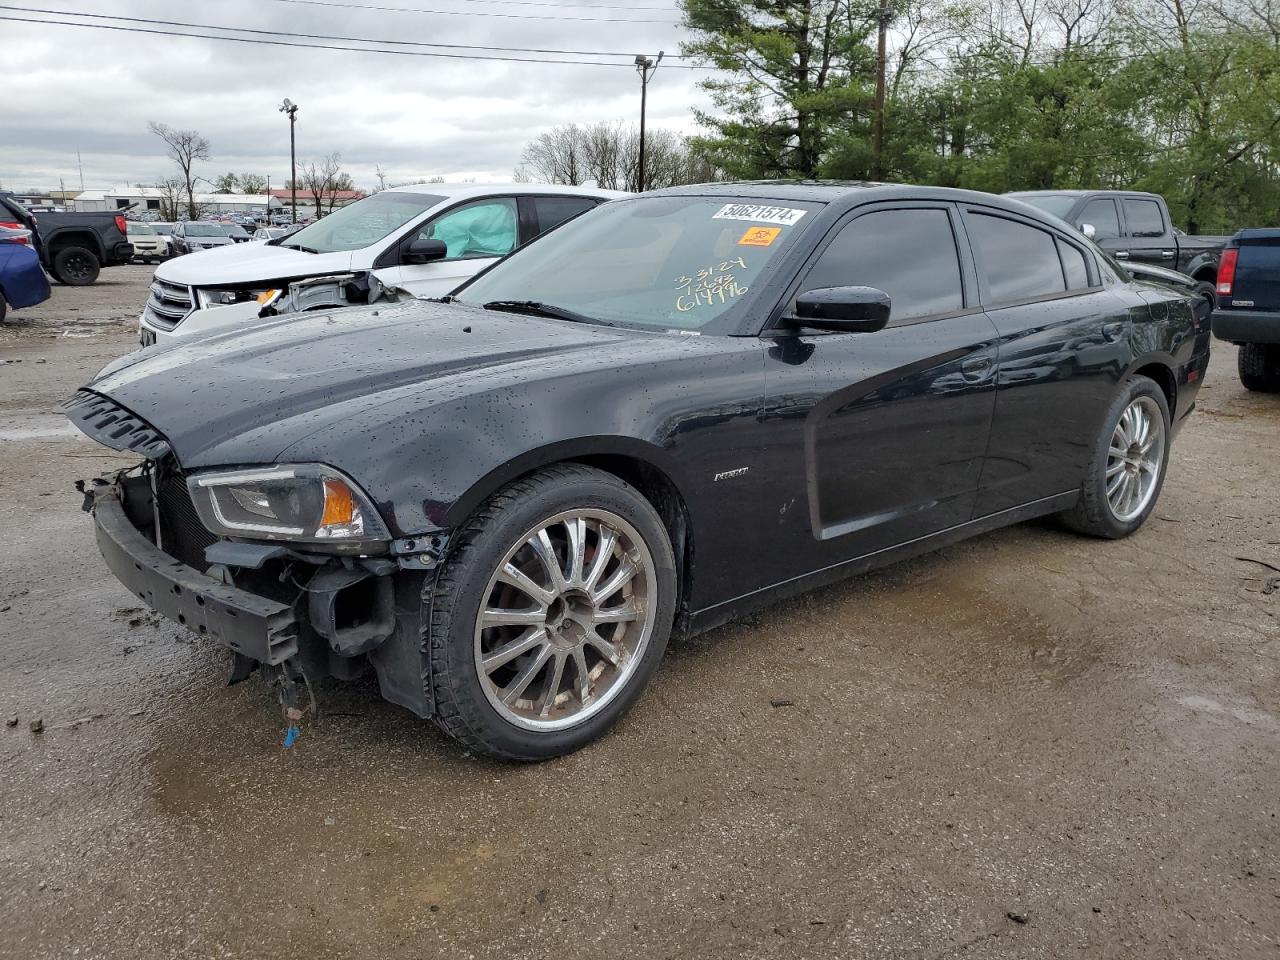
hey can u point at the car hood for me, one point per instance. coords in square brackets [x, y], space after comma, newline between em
[235, 263]
[247, 395]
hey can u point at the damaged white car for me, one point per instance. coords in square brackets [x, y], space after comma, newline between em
[414, 241]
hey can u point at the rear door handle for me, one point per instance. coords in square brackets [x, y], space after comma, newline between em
[1112, 331]
[1121, 254]
[975, 368]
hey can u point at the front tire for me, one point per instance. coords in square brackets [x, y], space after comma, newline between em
[75, 266]
[1259, 365]
[550, 614]
[1126, 472]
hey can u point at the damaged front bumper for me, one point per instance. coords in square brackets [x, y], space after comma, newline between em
[255, 627]
[308, 615]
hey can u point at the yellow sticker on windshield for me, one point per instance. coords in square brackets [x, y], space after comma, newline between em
[759, 236]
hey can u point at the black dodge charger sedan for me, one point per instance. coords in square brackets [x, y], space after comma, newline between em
[668, 411]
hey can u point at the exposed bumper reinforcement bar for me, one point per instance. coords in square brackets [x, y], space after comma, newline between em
[258, 628]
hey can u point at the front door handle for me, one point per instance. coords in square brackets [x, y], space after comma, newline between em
[1121, 254]
[975, 368]
[1112, 331]
[1168, 254]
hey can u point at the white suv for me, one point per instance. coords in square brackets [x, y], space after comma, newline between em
[424, 240]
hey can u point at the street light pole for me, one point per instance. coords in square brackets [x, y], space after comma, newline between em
[291, 109]
[645, 67]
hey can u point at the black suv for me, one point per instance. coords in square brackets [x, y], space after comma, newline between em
[1248, 311]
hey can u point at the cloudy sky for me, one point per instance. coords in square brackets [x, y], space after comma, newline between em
[71, 88]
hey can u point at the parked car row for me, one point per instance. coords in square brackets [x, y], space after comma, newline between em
[73, 247]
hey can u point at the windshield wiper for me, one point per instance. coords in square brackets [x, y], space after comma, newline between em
[543, 310]
[298, 246]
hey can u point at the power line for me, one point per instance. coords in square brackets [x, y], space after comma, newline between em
[318, 36]
[469, 13]
[316, 46]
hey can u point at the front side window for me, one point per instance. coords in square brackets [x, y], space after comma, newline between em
[1020, 262]
[363, 223]
[674, 263]
[1143, 218]
[485, 228]
[1102, 214]
[909, 254]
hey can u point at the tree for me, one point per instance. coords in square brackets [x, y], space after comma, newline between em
[324, 181]
[790, 72]
[226, 183]
[184, 147]
[252, 183]
[608, 154]
[170, 198]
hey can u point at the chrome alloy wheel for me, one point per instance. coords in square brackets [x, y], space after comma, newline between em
[565, 620]
[1135, 458]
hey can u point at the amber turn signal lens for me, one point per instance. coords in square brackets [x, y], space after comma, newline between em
[266, 296]
[339, 504]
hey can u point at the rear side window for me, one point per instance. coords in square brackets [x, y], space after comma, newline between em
[1143, 219]
[909, 254]
[1020, 262]
[553, 211]
[1074, 266]
[1102, 214]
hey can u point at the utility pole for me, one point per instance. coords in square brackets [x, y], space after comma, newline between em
[645, 67]
[291, 109]
[877, 135]
[80, 166]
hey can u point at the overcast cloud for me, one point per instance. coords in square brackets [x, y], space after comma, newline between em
[69, 88]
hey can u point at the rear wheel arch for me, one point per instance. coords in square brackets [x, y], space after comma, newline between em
[1163, 375]
[75, 238]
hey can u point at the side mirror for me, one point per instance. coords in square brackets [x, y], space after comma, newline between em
[846, 309]
[424, 251]
[1088, 230]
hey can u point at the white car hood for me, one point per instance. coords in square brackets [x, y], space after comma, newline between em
[249, 263]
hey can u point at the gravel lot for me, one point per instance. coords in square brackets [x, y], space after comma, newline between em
[1027, 745]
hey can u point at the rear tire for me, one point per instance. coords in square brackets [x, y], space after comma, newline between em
[1259, 365]
[1126, 471]
[4, 308]
[1209, 292]
[75, 266]
[538, 663]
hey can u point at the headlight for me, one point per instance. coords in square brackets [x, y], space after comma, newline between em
[304, 503]
[215, 297]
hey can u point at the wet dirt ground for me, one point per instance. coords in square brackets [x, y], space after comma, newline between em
[1027, 745]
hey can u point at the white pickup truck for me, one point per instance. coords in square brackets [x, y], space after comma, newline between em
[422, 241]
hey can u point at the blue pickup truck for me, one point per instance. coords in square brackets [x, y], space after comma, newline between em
[1248, 305]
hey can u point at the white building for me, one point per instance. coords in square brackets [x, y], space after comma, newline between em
[141, 199]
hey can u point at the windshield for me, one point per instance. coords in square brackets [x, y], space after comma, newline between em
[233, 230]
[674, 262]
[203, 230]
[1058, 204]
[141, 230]
[362, 223]
[164, 228]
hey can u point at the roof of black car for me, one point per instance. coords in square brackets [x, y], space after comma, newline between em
[823, 191]
[1077, 193]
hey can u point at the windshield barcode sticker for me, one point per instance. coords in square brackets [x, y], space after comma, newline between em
[760, 213]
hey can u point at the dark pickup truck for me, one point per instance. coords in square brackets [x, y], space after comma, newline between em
[1248, 311]
[1133, 226]
[73, 247]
